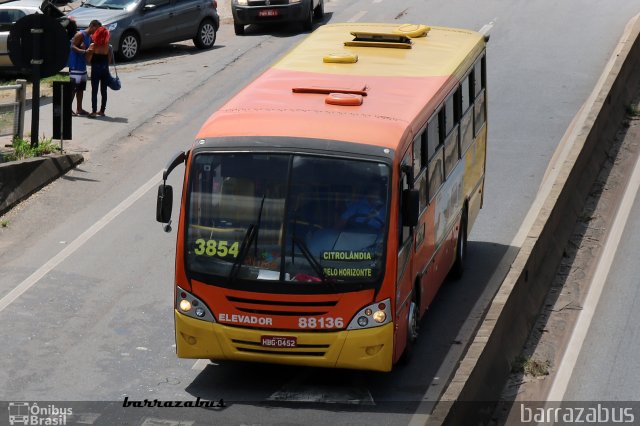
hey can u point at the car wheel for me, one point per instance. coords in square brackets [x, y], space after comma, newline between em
[318, 12]
[307, 24]
[238, 28]
[206, 36]
[129, 46]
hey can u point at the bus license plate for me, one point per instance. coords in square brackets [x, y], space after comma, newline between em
[268, 12]
[279, 341]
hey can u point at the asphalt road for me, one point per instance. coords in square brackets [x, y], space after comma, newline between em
[92, 319]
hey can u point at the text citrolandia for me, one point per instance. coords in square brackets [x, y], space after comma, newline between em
[324, 204]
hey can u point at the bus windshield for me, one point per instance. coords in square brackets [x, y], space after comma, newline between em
[287, 218]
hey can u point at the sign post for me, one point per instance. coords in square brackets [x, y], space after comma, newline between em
[39, 46]
[62, 99]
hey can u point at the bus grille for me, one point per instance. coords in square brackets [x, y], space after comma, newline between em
[284, 308]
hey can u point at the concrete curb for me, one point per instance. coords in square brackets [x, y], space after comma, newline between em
[19, 179]
[478, 382]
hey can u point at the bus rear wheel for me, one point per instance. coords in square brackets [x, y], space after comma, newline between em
[457, 270]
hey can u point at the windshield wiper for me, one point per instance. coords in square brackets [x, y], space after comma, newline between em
[244, 250]
[249, 237]
[317, 267]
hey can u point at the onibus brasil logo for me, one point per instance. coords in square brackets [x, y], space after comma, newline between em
[25, 413]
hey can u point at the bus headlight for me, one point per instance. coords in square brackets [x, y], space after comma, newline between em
[380, 317]
[185, 305]
[189, 305]
[374, 315]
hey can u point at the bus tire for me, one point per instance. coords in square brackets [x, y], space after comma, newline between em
[457, 270]
[413, 329]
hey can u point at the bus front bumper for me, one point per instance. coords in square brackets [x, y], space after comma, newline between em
[369, 349]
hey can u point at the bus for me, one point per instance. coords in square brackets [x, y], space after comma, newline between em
[326, 202]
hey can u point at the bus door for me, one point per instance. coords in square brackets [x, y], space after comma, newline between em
[404, 278]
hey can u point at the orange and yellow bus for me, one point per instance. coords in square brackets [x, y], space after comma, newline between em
[326, 202]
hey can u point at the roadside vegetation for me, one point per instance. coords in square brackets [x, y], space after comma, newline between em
[531, 367]
[48, 81]
[633, 110]
[21, 149]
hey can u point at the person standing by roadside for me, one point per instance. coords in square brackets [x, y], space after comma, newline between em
[99, 55]
[78, 64]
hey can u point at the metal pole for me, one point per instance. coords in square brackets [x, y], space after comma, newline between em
[21, 99]
[35, 103]
[61, 117]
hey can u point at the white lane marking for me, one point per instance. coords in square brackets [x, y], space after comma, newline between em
[598, 282]
[200, 364]
[153, 421]
[77, 243]
[357, 16]
[377, 1]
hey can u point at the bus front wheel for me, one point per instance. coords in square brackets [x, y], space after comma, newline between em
[413, 329]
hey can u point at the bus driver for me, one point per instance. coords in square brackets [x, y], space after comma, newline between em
[367, 210]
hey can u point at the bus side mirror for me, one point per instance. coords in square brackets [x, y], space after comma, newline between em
[164, 204]
[410, 207]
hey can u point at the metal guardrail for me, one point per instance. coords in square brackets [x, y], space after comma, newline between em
[12, 113]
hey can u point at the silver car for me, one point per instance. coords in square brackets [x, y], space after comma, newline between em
[138, 24]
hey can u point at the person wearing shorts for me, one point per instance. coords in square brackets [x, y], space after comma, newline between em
[78, 65]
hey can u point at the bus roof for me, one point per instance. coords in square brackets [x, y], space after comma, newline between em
[403, 86]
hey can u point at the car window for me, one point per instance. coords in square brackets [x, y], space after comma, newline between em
[9, 16]
[110, 4]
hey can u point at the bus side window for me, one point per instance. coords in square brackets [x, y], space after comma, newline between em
[418, 161]
[433, 136]
[479, 83]
[451, 116]
[420, 167]
[435, 153]
[466, 120]
[436, 175]
[404, 232]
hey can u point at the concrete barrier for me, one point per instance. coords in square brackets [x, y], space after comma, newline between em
[480, 378]
[19, 179]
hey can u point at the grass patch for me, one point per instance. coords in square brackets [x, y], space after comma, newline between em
[531, 367]
[43, 81]
[4, 223]
[633, 110]
[57, 77]
[22, 149]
